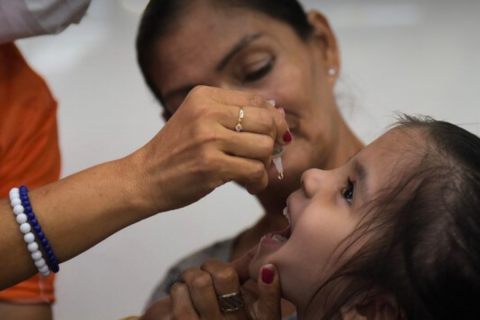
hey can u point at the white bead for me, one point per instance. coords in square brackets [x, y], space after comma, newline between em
[29, 238]
[46, 273]
[40, 263]
[15, 202]
[37, 255]
[32, 247]
[44, 269]
[18, 209]
[25, 227]
[14, 191]
[22, 218]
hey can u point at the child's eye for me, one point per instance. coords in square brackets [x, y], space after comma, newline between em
[260, 73]
[348, 191]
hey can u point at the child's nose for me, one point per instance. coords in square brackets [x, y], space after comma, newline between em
[312, 180]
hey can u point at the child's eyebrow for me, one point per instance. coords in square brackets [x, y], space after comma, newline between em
[361, 172]
[359, 169]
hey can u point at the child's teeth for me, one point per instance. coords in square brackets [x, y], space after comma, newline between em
[286, 214]
[279, 238]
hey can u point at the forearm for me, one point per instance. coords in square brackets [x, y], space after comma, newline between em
[75, 213]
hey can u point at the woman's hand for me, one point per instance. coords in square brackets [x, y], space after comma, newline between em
[197, 296]
[199, 149]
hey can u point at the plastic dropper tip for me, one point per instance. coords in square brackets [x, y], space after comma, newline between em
[277, 161]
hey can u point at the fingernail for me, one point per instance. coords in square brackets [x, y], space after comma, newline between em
[272, 102]
[287, 137]
[268, 274]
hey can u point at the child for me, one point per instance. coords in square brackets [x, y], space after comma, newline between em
[392, 234]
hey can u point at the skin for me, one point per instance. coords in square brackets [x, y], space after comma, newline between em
[326, 211]
[273, 62]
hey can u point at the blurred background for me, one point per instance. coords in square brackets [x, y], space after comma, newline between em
[420, 57]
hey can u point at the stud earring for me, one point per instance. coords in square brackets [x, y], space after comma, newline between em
[332, 72]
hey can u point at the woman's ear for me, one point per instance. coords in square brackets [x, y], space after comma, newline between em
[379, 308]
[324, 37]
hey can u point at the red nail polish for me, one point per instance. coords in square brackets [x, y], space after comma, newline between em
[287, 137]
[268, 275]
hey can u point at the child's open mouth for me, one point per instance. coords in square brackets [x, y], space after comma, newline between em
[282, 235]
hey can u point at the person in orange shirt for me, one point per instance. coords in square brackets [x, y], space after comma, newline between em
[29, 154]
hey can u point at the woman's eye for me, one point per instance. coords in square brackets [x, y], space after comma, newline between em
[259, 73]
[348, 191]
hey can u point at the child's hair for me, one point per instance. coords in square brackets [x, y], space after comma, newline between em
[423, 246]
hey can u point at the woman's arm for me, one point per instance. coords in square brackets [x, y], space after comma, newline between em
[195, 152]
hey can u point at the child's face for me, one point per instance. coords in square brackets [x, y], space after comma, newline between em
[327, 209]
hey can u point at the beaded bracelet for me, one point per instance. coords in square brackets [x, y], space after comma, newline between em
[47, 249]
[28, 237]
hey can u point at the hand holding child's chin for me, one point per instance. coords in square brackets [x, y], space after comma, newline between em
[199, 293]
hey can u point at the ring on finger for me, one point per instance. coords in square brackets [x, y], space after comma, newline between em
[241, 115]
[230, 302]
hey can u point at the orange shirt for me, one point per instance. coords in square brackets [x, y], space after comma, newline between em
[29, 152]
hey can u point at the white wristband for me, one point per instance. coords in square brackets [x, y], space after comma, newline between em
[28, 237]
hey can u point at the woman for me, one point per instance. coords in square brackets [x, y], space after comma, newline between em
[272, 48]
[392, 234]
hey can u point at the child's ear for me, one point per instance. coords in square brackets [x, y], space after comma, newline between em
[379, 308]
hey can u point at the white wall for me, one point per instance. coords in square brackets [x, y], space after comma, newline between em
[411, 56]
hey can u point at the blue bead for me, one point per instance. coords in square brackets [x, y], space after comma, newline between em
[30, 216]
[26, 204]
[33, 222]
[24, 198]
[37, 228]
[28, 209]
[40, 236]
[55, 268]
[44, 241]
[23, 187]
[47, 248]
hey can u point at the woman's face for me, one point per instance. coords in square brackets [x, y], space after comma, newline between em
[326, 210]
[244, 50]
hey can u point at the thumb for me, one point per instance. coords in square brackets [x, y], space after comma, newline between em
[269, 297]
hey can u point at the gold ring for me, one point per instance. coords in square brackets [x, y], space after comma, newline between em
[230, 302]
[241, 115]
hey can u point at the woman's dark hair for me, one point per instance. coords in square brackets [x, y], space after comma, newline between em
[162, 17]
[424, 244]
